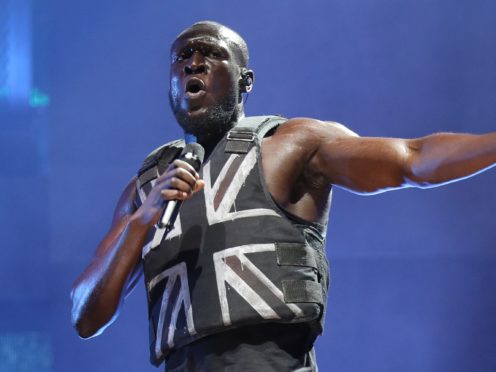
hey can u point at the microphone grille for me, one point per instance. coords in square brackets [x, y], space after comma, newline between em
[196, 149]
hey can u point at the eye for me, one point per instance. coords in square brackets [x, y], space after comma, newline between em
[215, 54]
[182, 55]
[185, 54]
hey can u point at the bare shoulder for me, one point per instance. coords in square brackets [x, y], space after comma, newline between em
[308, 129]
[126, 204]
[296, 142]
[293, 169]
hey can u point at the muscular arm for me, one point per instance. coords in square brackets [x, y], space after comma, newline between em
[99, 290]
[374, 165]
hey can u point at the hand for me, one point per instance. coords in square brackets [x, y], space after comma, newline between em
[179, 182]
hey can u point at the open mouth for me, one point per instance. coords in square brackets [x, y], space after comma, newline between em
[195, 87]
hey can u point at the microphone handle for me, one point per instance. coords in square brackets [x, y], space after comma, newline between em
[169, 215]
[193, 155]
[171, 210]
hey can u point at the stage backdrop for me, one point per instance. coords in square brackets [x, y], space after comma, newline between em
[83, 99]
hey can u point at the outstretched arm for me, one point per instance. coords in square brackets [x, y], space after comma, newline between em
[98, 292]
[373, 165]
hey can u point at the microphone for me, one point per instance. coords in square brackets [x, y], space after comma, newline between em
[193, 154]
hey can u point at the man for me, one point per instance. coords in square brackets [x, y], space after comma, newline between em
[241, 280]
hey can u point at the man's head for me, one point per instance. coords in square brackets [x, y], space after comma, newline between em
[208, 75]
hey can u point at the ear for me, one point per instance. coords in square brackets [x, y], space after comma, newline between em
[246, 80]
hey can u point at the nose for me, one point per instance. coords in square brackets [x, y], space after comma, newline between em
[196, 64]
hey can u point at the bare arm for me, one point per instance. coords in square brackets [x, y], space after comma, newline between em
[374, 165]
[98, 292]
[304, 158]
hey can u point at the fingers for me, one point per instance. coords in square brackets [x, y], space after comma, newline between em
[174, 194]
[179, 181]
[198, 185]
[179, 164]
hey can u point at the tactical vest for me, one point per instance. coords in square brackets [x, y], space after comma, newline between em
[234, 257]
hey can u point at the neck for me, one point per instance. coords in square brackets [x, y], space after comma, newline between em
[211, 140]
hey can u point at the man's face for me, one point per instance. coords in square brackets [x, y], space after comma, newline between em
[203, 84]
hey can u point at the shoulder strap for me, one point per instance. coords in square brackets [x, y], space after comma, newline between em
[153, 165]
[162, 155]
[240, 138]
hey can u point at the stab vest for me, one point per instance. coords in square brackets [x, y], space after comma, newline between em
[234, 257]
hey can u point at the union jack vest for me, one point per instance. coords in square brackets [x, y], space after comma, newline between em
[234, 257]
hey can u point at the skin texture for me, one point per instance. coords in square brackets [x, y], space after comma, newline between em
[301, 162]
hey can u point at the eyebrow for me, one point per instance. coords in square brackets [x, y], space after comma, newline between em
[214, 42]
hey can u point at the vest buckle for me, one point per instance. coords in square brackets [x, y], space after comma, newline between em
[240, 136]
[239, 141]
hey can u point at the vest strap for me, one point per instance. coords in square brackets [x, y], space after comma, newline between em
[162, 155]
[295, 254]
[239, 141]
[147, 176]
[302, 291]
[242, 136]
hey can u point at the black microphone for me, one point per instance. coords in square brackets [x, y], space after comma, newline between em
[193, 154]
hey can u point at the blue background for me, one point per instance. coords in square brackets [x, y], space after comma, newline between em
[413, 276]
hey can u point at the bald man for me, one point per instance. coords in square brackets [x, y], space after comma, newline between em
[240, 282]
